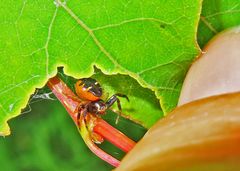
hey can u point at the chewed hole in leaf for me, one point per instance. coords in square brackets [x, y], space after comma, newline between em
[143, 108]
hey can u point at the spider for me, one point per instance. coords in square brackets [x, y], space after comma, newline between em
[90, 91]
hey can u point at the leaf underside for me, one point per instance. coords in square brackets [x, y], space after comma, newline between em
[151, 42]
[217, 16]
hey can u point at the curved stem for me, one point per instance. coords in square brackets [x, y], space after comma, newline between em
[107, 131]
[95, 149]
[71, 102]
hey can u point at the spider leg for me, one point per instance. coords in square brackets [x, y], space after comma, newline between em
[122, 95]
[81, 112]
[111, 101]
[114, 98]
[120, 111]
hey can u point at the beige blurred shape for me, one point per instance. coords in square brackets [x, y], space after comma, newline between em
[203, 135]
[217, 70]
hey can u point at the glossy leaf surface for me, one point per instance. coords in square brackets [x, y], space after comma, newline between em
[151, 41]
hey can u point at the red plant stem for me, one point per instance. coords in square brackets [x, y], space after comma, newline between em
[71, 102]
[104, 156]
[66, 97]
[107, 132]
[100, 153]
[63, 93]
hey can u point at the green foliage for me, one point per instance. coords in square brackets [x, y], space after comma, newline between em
[143, 103]
[134, 44]
[47, 139]
[217, 16]
[153, 42]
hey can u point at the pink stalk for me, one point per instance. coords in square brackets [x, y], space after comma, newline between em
[107, 131]
[71, 102]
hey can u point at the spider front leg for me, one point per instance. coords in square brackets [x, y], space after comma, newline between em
[114, 98]
[87, 120]
[81, 114]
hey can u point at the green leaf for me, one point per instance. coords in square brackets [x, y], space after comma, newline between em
[153, 42]
[217, 16]
[46, 139]
[143, 102]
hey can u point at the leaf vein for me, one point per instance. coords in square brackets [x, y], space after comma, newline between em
[90, 32]
[209, 25]
[48, 39]
[17, 85]
[134, 20]
[160, 65]
[21, 12]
